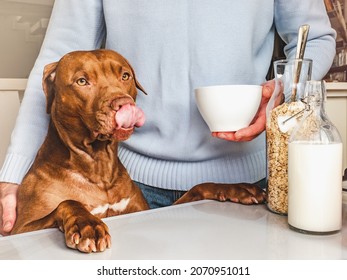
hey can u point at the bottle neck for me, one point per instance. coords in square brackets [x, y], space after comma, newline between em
[316, 102]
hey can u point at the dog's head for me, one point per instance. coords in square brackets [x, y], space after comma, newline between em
[94, 92]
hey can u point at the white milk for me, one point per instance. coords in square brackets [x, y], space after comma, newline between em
[315, 186]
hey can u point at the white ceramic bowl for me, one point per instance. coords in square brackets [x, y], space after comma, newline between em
[228, 107]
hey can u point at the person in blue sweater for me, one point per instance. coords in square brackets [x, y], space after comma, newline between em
[174, 47]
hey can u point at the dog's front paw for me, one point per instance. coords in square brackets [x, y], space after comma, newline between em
[243, 193]
[87, 234]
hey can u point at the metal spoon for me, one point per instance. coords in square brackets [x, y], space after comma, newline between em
[300, 51]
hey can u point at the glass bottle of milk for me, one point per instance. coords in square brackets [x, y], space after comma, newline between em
[315, 168]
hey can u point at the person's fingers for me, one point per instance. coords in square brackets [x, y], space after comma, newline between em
[8, 204]
[229, 136]
[268, 89]
[9, 213]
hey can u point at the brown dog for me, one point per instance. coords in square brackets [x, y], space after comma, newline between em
[77, 178]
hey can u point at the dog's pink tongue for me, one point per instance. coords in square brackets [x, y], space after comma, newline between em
[129, 116]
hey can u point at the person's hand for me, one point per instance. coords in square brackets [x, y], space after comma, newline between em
[8, 204]
[257, 126]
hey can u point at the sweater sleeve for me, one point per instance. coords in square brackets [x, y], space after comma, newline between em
[289, 15]
[74, 25]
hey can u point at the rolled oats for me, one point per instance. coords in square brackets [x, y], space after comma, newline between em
[278, 129]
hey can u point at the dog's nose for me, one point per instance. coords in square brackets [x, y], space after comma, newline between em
[118, 102]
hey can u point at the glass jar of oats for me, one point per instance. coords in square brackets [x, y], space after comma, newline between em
[284, 110]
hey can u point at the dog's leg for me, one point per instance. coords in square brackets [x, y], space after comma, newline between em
[83, 231]
[242, 193]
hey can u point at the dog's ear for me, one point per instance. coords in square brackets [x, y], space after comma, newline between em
[48, 84]
[138, 85]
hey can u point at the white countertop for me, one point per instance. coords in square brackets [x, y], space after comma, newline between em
[199, 230]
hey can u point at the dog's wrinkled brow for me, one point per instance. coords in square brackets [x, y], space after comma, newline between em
[114, 67]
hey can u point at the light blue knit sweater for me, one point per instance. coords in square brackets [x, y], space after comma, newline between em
[174, 47]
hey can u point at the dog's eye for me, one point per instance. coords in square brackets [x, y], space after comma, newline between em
[126, 76]
[82, 82]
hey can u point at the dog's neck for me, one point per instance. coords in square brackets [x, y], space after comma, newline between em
[83, 153]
